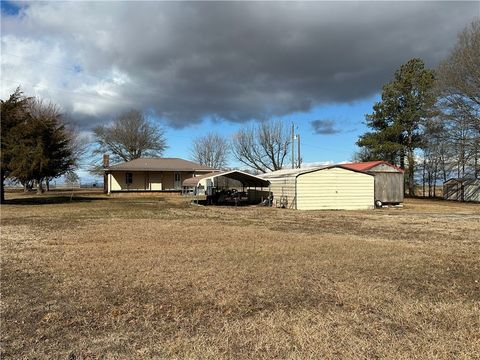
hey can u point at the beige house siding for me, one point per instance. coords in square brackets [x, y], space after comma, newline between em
[156, 181]
[167, 180]
[146, 180]
[113, 184]
[139, 181]
[335, 188]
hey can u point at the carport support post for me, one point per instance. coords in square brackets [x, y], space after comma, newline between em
[270, 199]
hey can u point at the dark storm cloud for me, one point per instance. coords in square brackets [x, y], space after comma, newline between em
[324, 127]
[242, 61]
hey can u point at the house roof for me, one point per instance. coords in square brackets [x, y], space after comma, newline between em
[367, 165]
[159, 164]
[245, 178]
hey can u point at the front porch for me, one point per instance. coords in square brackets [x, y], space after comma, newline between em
[146, 181]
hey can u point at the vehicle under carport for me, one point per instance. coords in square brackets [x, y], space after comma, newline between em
[233, 187]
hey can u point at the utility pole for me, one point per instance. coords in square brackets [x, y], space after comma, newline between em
[293, 146]
[298, 152]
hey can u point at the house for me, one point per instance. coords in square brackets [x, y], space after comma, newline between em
[151, 174]
[326, 187]
[389, 180]
[462, 190]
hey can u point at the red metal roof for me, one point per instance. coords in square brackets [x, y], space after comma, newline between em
[367, 165]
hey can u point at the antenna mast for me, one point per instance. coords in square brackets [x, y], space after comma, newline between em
[293, 146]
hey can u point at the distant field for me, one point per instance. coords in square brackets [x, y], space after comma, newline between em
[132, 278]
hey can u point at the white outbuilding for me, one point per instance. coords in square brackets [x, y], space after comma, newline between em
[328, 187]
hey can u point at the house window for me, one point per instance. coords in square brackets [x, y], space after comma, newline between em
[177, 176]
[129, 178]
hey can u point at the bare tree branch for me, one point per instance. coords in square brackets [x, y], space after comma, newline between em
[263, 147]
[129, 137]
[211, 150]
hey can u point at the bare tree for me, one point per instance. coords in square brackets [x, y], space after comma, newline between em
[211, 150]
[129, 137]
[459, 74]
[363, 154]
[263, 147]
[71, 178]
[459, 89]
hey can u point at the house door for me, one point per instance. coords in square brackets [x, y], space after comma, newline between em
[177, 181]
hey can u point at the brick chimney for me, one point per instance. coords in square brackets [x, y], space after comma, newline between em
[106, 161]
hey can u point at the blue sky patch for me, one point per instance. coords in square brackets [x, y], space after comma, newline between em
[9, 8]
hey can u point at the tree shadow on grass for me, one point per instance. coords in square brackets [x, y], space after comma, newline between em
[48, 200]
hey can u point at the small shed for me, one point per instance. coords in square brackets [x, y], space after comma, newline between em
[462, 190]
[326, 187]
[389, 180]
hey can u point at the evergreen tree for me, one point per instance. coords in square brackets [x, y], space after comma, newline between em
[40, 146]
[13, 113]
[396, 120]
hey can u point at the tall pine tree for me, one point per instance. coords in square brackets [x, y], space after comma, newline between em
[396, 120]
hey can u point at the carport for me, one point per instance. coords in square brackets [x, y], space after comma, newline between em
[228, 187]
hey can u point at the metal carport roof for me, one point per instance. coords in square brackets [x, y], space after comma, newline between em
[246, 179]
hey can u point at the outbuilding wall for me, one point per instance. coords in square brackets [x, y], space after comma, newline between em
[466, 190]
[283, 187]
[388, 187]
[335, 188]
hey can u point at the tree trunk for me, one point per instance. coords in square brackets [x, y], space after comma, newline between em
[423, 176]
[402, 166]
[39, 187]
[402, 161]
[2, 189]
[411, 185]
[477, 166]
[47, 183]
[429, 184]
[475, 162]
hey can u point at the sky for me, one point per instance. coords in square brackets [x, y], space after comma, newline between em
[198, 67]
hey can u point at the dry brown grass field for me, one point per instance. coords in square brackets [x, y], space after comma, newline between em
[143, 278]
